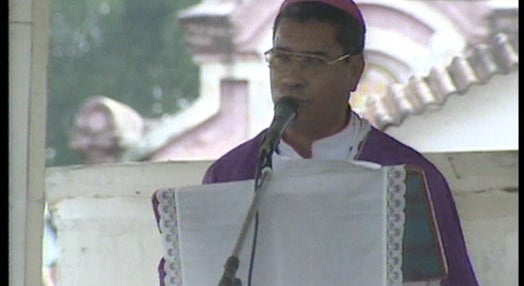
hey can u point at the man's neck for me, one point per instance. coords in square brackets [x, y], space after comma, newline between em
[302, 140]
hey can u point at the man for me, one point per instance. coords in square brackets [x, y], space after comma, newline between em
[317, 59]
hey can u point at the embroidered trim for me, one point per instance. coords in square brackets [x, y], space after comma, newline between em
[395, 223]
[169, 230]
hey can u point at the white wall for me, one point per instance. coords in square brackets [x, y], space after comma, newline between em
[108, 232]
[485, 188]
[28, 49]
[484, 118]
[105, 221]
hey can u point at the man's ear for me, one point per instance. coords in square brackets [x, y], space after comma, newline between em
[357, 65]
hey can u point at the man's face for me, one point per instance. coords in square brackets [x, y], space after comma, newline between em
[322, 90]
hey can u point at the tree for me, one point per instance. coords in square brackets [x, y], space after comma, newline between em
[130, 50]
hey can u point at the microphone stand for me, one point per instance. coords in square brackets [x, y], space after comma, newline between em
[264, 171]
[285, 110]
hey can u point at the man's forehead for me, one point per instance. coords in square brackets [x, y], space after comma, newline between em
[310, 37]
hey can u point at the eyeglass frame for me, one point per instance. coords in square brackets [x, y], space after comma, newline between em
[325, 60]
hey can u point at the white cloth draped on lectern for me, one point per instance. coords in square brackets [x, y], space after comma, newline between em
[320, 223]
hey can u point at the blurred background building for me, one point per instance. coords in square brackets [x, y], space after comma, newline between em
[439, 76]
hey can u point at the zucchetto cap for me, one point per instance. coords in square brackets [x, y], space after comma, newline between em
[347, 5]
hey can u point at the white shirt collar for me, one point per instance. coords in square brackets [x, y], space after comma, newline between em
[343, 145]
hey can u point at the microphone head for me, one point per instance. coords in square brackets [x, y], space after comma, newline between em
[286, 106]
[286, 109]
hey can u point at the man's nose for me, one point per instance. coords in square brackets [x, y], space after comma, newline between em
[293, 75]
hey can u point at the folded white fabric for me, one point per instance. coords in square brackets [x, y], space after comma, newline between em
[320, 223]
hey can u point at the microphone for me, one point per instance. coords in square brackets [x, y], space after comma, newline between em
[286, 109]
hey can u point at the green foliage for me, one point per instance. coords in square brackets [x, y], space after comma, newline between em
[128, 50]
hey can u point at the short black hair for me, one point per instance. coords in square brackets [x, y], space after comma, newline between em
[350, 33]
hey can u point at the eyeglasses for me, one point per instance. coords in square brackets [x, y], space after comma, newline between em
[279, 59]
